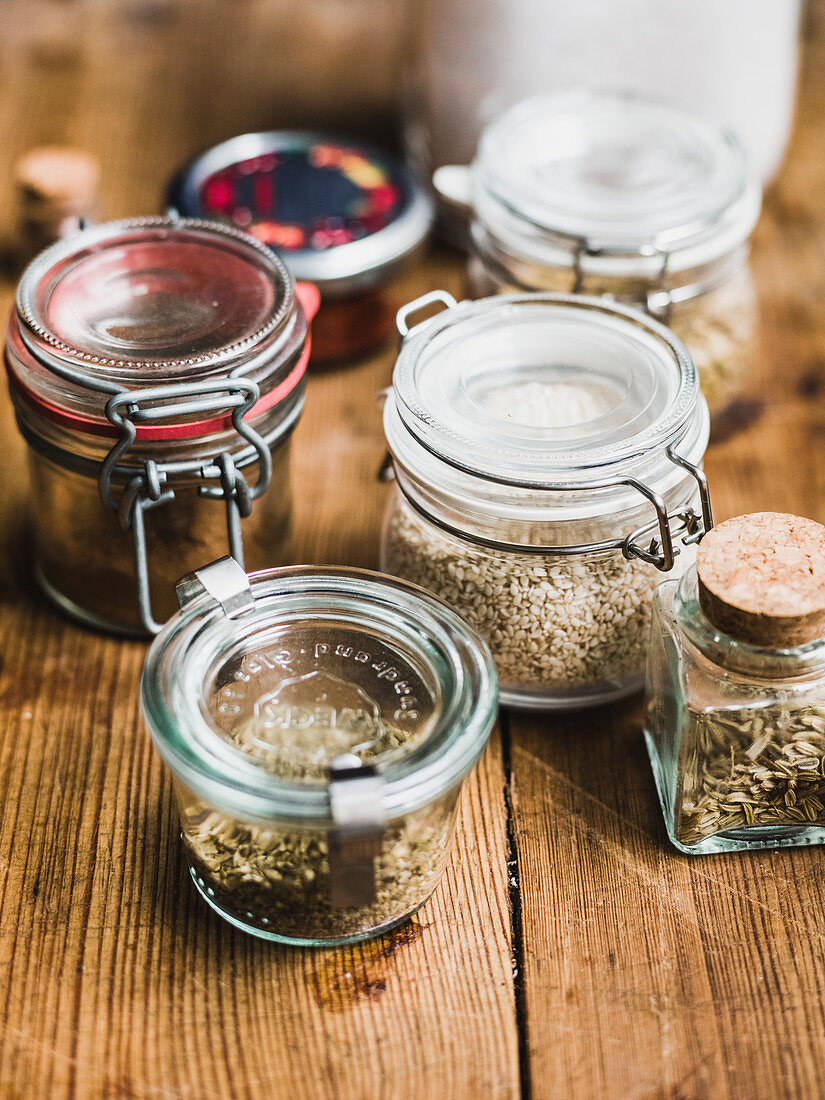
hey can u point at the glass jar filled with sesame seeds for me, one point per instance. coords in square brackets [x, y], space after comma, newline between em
[735, 721]
[621, 195]
[547, 452]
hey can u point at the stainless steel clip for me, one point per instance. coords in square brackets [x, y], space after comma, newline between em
[150, 489]
[356, 800]
[225, 581]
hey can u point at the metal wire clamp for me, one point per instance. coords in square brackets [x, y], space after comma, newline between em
[150, 488]
[659, 552]
[658, 299]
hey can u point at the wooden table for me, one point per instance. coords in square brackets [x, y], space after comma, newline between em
[570, 950]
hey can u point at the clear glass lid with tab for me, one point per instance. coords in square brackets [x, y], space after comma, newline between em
[622, 179]
[252, 693]
[544, 406]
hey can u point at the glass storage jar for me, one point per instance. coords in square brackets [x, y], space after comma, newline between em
[735, 722]
[318, 725]
[546, 451]
[157, 370]
[733, 61]
[604, 193]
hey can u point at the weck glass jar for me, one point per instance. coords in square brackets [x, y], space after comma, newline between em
[157, 370]
[607, 193]
[736, 689]
[318, 725]
[546, 451]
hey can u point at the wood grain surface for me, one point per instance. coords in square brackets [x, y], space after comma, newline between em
[570, 951]
[647, 973]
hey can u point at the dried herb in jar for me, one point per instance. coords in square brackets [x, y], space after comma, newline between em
[760, 766]
[280, 877]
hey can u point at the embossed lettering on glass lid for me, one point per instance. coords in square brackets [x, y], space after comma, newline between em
[299, 695]
[258, 709]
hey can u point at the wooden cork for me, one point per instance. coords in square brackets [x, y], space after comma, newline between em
[57, 175]
[56, 187]
[762, 579]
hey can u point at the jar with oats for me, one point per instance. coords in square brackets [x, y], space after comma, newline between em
[619, 195]
[547, 452]
[157, 370]
[735, 723]
[318, 725]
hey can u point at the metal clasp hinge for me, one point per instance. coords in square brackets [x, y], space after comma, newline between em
[148, 489]
[225, 581]
[661, 552]
[356, 801]
[658, 301]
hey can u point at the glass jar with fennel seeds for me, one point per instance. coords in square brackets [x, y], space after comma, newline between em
[600, 192]
[318, 725]
[547, 452]
[735, 721]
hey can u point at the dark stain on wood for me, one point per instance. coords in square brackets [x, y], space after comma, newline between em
[353, 973]
[811, 383]
[55, 55]
[735, 418]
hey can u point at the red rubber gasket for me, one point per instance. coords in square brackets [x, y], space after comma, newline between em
[309, 298]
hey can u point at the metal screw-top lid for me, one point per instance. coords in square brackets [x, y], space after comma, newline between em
[762, 579]
[344, 215]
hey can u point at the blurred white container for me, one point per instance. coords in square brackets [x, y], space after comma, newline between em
[732, 60]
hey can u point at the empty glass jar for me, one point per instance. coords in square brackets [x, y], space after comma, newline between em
[546, 451]
[736, 689]
[318, 724]
[607, 193]
[157, 371]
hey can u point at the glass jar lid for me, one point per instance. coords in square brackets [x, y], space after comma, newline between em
[264, 691]
[542, 390]
[626, 179]
[150, 304]
[343, 214]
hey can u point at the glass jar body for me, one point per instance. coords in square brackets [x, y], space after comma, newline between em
[565, 631]
[473, 58]
[272, 877]
[85, 560]
[736, 736]
[718, 325]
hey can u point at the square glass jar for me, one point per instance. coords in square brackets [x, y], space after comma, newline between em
[735, 732]
[318, 725]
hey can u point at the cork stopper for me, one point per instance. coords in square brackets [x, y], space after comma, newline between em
[56, 186]
[762, 579]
